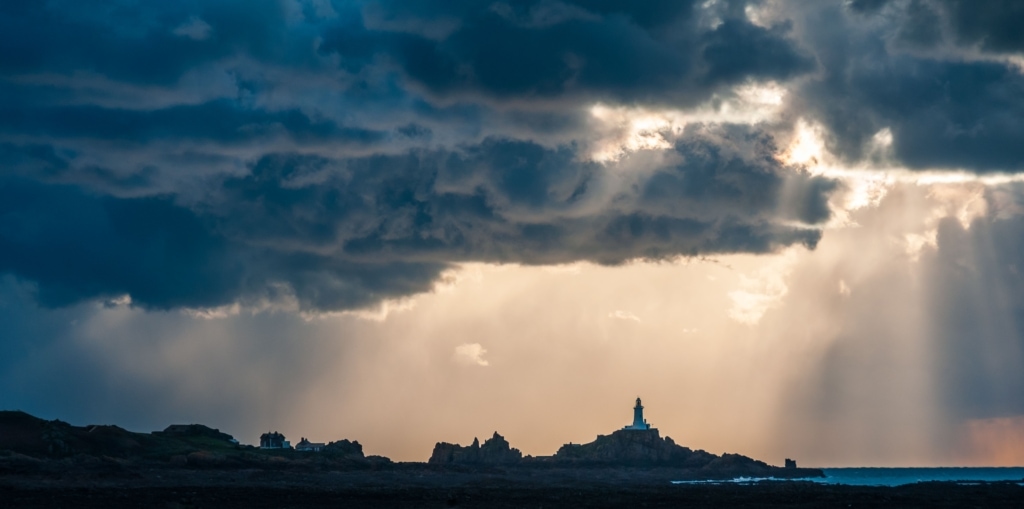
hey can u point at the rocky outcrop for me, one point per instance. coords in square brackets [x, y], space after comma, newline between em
[195, 431]
[647, 448]
[344, 448]
[495, 451]
[633, 447]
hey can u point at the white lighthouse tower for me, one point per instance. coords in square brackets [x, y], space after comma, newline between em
[639, 423]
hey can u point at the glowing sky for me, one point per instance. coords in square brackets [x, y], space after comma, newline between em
[794, 228]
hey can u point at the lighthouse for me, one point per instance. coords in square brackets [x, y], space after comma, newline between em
[639, 422]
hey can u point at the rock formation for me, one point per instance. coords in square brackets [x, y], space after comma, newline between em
[633, 447]
[646, 448]
[345, 448]
[494, 451]
[195, 430]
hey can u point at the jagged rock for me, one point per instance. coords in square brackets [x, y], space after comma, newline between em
[344, 448]
[495, 451]
[633, 447]
[195, 430]
[646, 448]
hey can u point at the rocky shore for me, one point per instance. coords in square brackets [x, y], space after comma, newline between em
[637, 449]
[54, 464]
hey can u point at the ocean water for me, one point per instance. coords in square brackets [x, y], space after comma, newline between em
[900, 476]
[895, 476]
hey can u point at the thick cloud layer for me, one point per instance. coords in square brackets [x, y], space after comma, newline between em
[938, 75]
[339, 154]
[341, 234]
[614, 50]
[992, 25]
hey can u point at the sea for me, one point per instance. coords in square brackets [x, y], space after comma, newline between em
[871, 476]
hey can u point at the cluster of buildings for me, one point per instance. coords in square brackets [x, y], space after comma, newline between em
[275, 440]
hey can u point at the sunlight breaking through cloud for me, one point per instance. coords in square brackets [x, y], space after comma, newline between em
[627, 129]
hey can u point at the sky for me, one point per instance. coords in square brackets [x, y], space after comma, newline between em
[795, 228]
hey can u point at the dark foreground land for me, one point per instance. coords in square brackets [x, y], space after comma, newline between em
[444, 488]
[54, 464]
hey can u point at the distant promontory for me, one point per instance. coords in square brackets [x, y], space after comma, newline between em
[637, 445]
[29, 444]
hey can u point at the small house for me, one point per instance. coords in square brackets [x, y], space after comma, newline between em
[306, 445]
[274, 440]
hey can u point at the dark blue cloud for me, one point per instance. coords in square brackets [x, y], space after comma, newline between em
[992, 25]
[201, 153]
[76, 246]
[508, 201]
[524, 48]
[737, 50]
[340, 234]
[715, 180]
[140, 42]
[942, 112]
[221, 122]
[588, 50]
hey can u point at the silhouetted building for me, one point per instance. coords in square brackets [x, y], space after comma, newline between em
[306, 445]
[638, 418]
[274, 440]
[790, 463]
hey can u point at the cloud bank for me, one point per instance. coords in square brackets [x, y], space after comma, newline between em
[338, 154]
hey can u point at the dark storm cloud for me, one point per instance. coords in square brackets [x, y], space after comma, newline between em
[737, 50]
[142, 42]
[730, 168]
[77, 246]
[221, 122]
[944, 111]
[196, 154]
[340, 234]
[992, 25]
[624, 51]
[867, 5]
[940, 114]
[514, 201]
[995, 25]
[649, 51]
